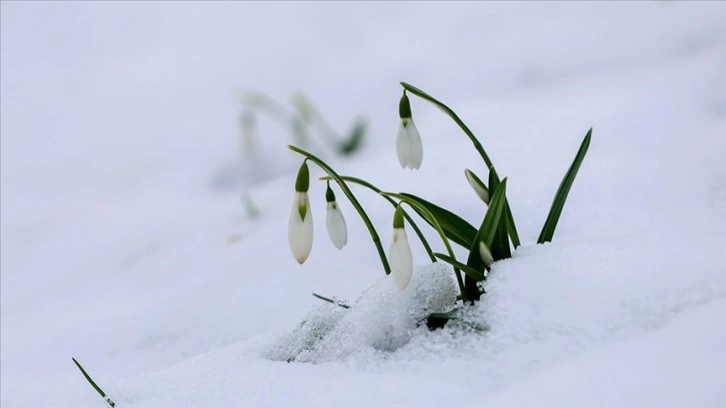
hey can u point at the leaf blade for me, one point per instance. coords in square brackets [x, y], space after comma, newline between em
[469, 271]
[553, 217]
[456, 228]
[486, 233]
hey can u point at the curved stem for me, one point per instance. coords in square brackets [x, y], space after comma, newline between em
[371, 229]
[415, 227]
[436, 225]
[477, 145]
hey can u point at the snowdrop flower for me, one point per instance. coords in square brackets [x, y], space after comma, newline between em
[300, 228]
[408, 141]
[399, 254]
[479, 188]
[334, 221]
[485, 254]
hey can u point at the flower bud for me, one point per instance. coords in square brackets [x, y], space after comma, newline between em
[485, 254]
[479, 187]
[408, 141]
[300, 226]
[401, 260]
[334, 221]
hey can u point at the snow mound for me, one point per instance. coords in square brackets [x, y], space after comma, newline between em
[383, 319]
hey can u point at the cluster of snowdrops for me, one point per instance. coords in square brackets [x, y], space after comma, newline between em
[491, 241]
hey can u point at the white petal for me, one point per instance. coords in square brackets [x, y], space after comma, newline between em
[400, 259]
[299, 231]
[402, 146]
[335, 223]
[415, 146]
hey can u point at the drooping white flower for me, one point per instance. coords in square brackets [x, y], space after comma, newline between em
[334, 221]
[479, 187]
[399, 253]
[300, 227]
[408, 142]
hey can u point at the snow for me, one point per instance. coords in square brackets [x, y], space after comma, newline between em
[384, 318]
[125, 243]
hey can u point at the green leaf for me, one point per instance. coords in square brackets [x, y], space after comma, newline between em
[469, 271]
[93, 384]
[486, 233]
[456, 228]
[513, 235]
[353, 143]
[548, 230]
[500, 245]
[335, 302]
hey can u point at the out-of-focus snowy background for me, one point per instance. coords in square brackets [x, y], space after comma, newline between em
[120, 248]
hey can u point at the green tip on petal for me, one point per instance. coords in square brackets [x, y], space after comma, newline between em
[302, 208]
[398, 217]
[303, 178]
[404, 107]
[329, 194]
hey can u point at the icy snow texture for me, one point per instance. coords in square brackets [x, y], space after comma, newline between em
[382, 319]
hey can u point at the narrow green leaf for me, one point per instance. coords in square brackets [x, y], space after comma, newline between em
[513, 235]
[469, 271]
[93, 384]
[486, 233]
[355, 140]
[500, 246]
[548, 229]
[335, 302]
[456, 228]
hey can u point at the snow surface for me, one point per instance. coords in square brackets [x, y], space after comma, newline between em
[125, 243]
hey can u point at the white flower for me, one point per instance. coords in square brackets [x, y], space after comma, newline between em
[300, 228]
[408, 141]
[334, 221]
[399, 253]
[400, 258]
[408, 145]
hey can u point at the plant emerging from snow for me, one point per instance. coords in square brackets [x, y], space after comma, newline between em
[486, 244]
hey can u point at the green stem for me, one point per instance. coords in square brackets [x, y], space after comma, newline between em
[415, 227]
[436, 225]
[343, 186]
[477, 145]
